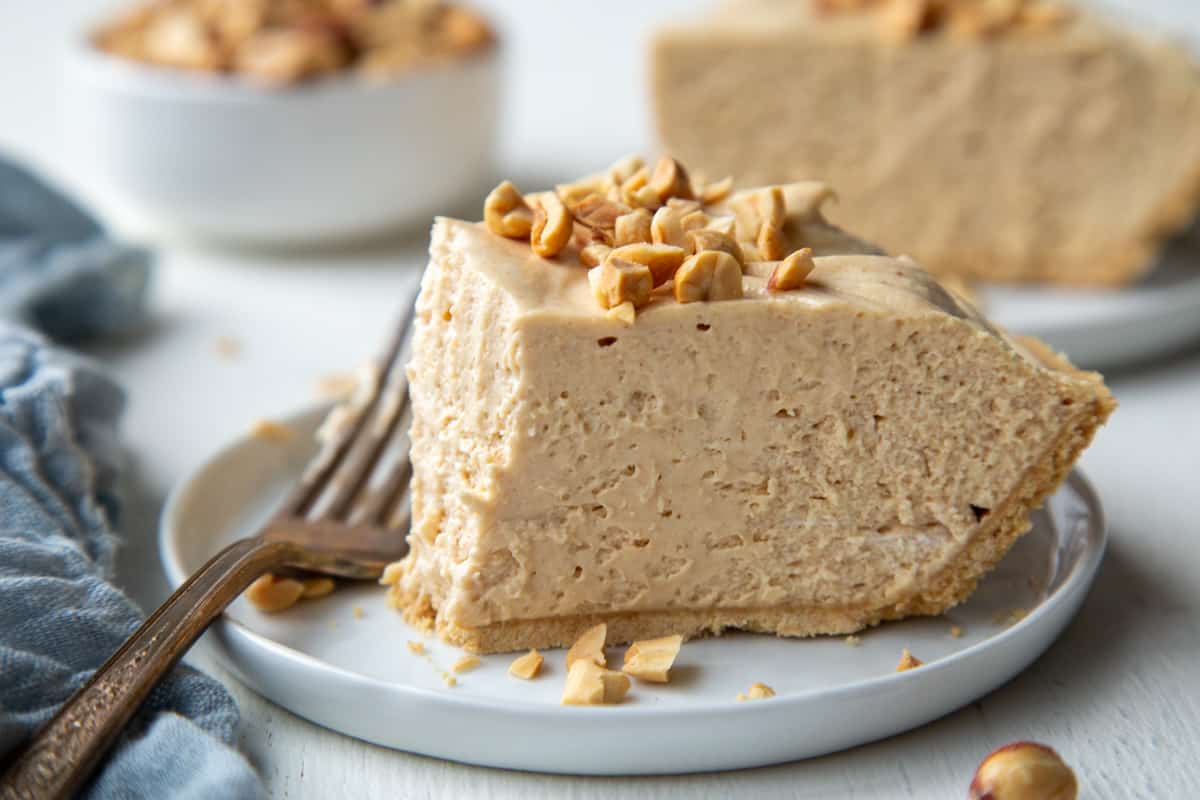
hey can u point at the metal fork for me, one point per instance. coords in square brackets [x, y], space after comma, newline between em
[341, 519]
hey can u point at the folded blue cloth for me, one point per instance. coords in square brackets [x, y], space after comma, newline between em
[60, 618]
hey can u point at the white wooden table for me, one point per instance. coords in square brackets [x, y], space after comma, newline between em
[1118, 695]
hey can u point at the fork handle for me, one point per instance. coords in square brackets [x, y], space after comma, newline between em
[65, 751]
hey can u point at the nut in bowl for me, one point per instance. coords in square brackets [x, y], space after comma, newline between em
[274, 142]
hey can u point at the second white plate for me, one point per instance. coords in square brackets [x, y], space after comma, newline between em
[1100, 328]
[343, 661]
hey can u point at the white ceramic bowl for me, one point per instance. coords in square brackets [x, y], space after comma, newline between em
[339, 158]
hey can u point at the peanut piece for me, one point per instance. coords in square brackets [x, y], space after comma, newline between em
[902, 20]
[670, 179]
[591, 685]
[634, 184]
[625, 168]
[593, 255]
[757, 691]
[316, 587]
[708, 275]
[791, 272]
[466, 663]
[600, 215]
[693, 221]
[526, 667]
[589, 646]
[271, 594]
[625, 313]
[707, 239]
[271, 431]
[633, 227]
[716, 192]
[755, 208]
[552, 225]
[1024, 771]
[506, 213]
[646, 197]
[651, 660]
[723, 224]
[618, 281]
[908, 661]
[666, 227]
[683, 206]
[771, 244]
[1042, 16]
[662, 259]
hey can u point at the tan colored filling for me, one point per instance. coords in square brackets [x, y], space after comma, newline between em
[806, 462]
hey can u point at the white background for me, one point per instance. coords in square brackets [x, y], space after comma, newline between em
[1118, 695]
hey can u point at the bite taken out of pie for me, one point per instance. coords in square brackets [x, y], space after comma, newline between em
[675, 410]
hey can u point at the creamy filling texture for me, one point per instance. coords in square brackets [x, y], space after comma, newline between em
[835, 445]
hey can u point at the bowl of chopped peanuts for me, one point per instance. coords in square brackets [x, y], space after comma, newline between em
[282, 122]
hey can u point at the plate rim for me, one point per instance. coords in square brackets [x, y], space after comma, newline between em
[230, 635]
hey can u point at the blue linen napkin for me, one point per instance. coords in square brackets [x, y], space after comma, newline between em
[60, 618]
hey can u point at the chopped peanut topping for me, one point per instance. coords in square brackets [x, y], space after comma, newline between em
[792, 272]
[636, 230]
[667, 227]
[591, 685]
[670, 179]
[903, 20]
[956, 631]
[416, 648]
[757, 691]
[593, 255]
[707, 239]
[755, 208]
[662, 259]
[589, 646]
[526, 667]
[271, 431]
[465, 664]
[624, 313]
[908, 661]
[633, 228]
[552, 225]
[716, 192]
[771, 244]
[506, 213]
[651, 660]
[618, 281]
[693, 221]
[625, 168]
[708, 275]
[724, 224]
[271, 594]
[599, 215]
[631, 188]
[316, 587]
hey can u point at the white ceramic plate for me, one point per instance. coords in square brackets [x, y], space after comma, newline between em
[354, 673]
[1100, 329]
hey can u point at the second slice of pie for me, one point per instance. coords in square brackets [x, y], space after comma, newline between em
[860, 447]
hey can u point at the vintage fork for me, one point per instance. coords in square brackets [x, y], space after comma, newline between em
[341, 519]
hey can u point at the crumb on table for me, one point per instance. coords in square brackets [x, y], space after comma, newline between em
[271, 431]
